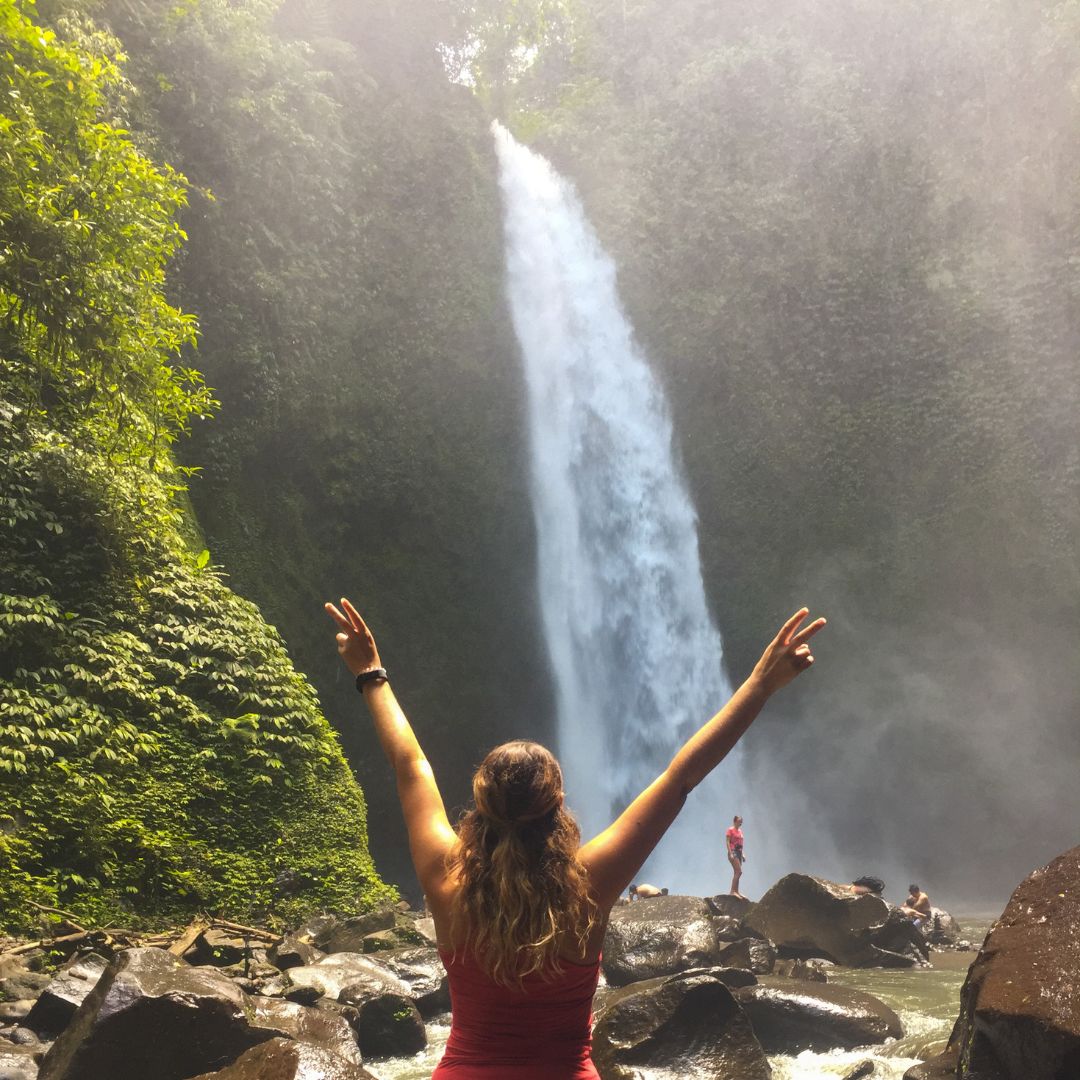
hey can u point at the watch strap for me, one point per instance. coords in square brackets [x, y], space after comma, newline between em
[378, 674]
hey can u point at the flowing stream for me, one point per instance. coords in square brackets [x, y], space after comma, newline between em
[636, 659]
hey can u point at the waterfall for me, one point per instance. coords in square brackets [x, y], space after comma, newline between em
[635, 656]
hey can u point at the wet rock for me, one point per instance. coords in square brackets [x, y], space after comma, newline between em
[291, 952]
[791, 1017]
[332, 974]
[425, 927]
[422, 971]
[218, 948]
[808, 970]
[1020, 1004]
[942, 929]
[23, 1036]
[749, 953]
[275, 988]
[152, 1016]
[390, 1026]
[675, 1028]
[14, 1012]
[23, 984]
[17, 1062]
[282, 1059]
[311, 1026]
[667, 935]
[363, 975]
[807, 916]
[859, 1071]
[942, 1067]
[347, 935]
[726, 904]
[381, 941]
[731, 977]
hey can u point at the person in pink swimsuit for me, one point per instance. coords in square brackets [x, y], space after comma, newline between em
[734, 841]
[520, 905]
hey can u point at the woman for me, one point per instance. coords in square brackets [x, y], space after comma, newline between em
[734, 840]
[520, 907]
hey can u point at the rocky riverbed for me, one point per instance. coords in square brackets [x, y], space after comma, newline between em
[709, 987]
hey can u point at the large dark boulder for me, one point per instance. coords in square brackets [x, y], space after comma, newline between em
[673, 1028]
[806, 916]
[152, 1016]
[282, 1059]
[662, 936]
[291, 952]
[390, 1026]
[1020, 1004]
[790, 1016]
[942, 1067]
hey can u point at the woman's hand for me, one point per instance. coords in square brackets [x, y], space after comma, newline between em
[354, 642]
[788, 654]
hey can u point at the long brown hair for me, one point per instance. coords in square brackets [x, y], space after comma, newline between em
[522, 890]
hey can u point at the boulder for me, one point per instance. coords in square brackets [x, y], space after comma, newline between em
[667, 935]
[807, 916]
[282, 1059]
[329, 976]
[669, 1029]
[423, 972]
[15, 1012]
[425, 927]
[22, 984]
[390, 1026]
[312, 1027]
[17, 1062]
[808, 970]
[291, 952]
[218, 948]
[942, 1067]
[749, 953]
[150, 1015]
[735, 907]
[65, 993]
[1020, 1004]
[860, 1070]
[347, 935]
[942, 929]
[381, 941]
[789, 1017]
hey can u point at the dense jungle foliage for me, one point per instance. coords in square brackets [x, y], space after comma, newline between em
[159, 754]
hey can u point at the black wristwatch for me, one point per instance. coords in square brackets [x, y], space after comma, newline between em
[374, 675]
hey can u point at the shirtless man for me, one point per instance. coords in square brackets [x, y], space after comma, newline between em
[917, 905]
[646, 891]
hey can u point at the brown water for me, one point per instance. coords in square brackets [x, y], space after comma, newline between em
[926, 1000]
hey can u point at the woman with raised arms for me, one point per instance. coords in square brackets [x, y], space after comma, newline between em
[520, 904]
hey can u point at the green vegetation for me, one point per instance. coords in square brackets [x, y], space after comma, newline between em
[158, 752]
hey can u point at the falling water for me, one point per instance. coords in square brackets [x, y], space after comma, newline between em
[635, 655]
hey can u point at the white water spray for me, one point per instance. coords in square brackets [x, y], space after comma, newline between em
[636, 658]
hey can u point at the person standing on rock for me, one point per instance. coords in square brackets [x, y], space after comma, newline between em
[520, 905]
[734, 840]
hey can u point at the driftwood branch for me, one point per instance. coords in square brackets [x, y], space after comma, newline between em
[188, 938]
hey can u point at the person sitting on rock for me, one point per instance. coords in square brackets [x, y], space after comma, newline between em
[520, 905]
[645, 891]
[917, 905]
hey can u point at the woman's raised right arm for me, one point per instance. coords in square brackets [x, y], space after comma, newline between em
[616, 855]
[430, 834]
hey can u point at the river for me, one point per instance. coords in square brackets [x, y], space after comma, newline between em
[926, 1000]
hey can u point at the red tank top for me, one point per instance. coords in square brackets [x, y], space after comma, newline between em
[540, 1031]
